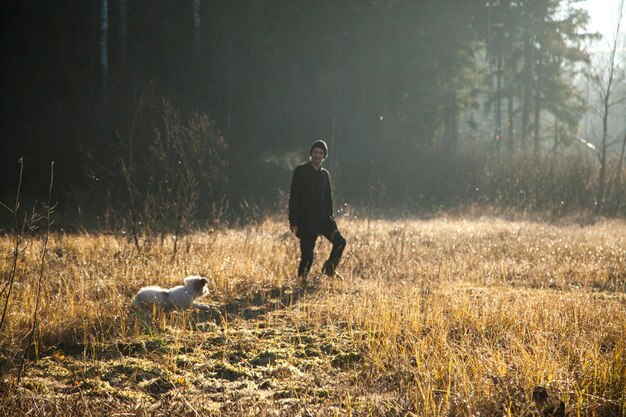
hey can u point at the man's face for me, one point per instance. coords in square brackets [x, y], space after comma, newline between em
[317, 155]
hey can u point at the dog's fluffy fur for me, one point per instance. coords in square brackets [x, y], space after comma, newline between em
[180, 297]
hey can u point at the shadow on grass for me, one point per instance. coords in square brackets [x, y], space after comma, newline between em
[255, 305]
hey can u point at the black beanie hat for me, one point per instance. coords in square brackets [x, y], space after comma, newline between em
[320, 144]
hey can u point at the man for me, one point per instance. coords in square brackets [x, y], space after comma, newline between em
[311, 211]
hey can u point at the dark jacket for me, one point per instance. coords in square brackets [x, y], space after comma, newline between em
[311, 201]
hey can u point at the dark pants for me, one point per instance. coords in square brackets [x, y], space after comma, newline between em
[307, 245]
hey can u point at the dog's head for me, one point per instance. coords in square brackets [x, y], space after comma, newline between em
[197, 285]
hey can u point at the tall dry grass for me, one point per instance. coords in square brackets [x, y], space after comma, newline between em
[442, 317]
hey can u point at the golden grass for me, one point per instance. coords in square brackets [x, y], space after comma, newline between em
[447, 317]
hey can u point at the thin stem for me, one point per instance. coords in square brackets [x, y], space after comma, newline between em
[16, 245]
[49, 211]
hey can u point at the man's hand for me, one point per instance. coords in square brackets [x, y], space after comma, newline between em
[294, 228]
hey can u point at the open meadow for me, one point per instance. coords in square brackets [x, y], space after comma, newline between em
[440, 317]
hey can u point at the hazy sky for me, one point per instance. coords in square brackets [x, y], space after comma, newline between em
[603, 16]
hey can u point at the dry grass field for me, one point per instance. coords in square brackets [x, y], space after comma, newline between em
[445, 317]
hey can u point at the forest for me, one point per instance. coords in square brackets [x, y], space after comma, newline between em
[171, 113]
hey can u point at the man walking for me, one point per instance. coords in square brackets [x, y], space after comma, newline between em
[311, 211]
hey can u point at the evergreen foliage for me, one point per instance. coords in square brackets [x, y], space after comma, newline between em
[400, 89]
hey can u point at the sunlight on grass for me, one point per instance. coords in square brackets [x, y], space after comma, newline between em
[441, 317]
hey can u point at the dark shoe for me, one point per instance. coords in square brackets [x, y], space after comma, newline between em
[328, 269]
[302, 278]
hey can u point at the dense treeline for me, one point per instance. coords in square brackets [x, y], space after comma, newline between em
[409, 95]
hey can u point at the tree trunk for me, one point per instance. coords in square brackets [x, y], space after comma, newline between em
[498, 132]
[510, 115]
[123, 33]
[618, 176]
[197, 28]
[104, 48]
[603, 146]
[538, 104]
[556, 137]
[528, 57]
[451, 128]
[606, 105]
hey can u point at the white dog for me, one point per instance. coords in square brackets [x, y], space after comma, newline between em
[180, 297]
